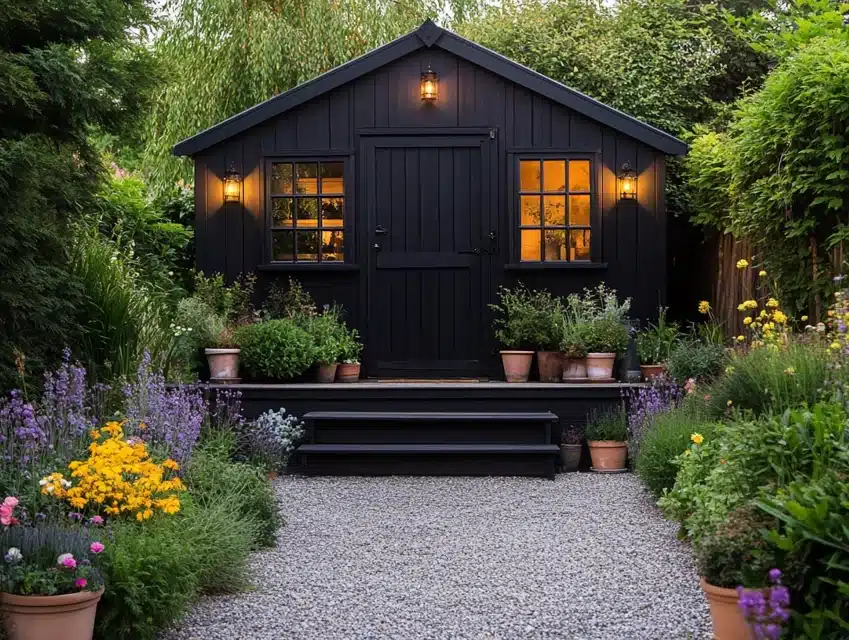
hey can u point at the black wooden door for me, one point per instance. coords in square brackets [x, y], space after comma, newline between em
[428, 202]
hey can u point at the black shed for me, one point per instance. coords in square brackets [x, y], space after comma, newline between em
[409, 183]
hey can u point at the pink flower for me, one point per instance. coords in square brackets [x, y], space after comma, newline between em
[6, 518]
[97, 547]
[67, 561]
[81, 583]
[98, 520]
[11, 502]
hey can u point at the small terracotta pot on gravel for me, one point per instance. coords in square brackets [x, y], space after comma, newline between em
[67, 617]
[517, 365]
[725, 613]
[608, 455]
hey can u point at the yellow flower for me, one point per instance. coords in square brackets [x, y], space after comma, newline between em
[779, 316]
[747, 321]
[687, 452]
[742, 264]
[804, 318]
[729, 370]
[698, 438]
[830, 313]
[750, 304]
[729, 403]
[772, 303]
[741, 338]
[790, 371]
[762, 273]
[834, 345]
[704, 307]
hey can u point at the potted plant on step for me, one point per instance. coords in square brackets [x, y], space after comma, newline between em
[607, 435]
[570, 448]
[604, 338]
[223, 358]
[574, 353]
[50, 581]
[513, 325]
[655, 343]
[349, 368]
[548, 328]
[328, 333]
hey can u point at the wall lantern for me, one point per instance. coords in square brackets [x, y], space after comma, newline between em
[430, 85]
[232, 185]
[627, 182]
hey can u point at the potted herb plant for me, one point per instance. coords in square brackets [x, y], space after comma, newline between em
[604, 339]
[514, 328]
[574, 353]
[655, 343]
[607, 435]
[570, 448]
[548, 330]
[328, 334]
[349, 367]
[223, 358]
[50, 582]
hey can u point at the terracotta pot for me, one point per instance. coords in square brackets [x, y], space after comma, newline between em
[550, 365]
[348, 372]
[327, 372]
[600, 365]
[570, 456]
[272, 475]
[69, 616]
[608, 455]
[223, 364]
[574, 368]
[651, 371]
[725, 613]
[517, 365]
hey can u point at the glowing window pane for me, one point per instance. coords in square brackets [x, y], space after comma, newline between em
[308, 245]
[530, 210]
[283, 246]
[579, 175]
[332, 212]
[529, 175]
[579, 211]
[555, 210]
[332, 246]
[283, 210]
[332, 179]
[281, 178]
[530, 244]
[555, 245]
[579, 241]
[554, 175]
[307, 213]
[307, 177]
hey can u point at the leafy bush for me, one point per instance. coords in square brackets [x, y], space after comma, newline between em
[517, 318]
[607, 424]
[231, 302]
[293, 302]
[698, 360]
[195, 327]
[604, 335]
[351, 346]
[213, 480]
[270, 440]
[328, 334]
[277, 349]
[665, 438]
[655, 342]
[765, 379]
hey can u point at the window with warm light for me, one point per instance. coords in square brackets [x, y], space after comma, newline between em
[307, 211]
[554, 210]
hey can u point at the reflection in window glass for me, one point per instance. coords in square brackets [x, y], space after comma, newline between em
[282, 212]
[307, 213]
[307, 177]
[283, 245]
[308, 246]
[332, 179]
[332, 245]
[331, 212]
[281, 177]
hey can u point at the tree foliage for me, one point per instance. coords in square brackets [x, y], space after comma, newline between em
[224, 56]
[64, 68]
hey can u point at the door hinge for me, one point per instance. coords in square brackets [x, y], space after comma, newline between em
[492, 133]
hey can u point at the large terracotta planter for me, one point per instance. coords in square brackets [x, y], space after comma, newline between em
[725, 613]
[326, 372]
[517, 365]
[223, 364]
[600, 365]
[348, 372]
[651, 371]
[570, 456]
[574, 369]
[66, 617]
[550, 365]
[608, 455]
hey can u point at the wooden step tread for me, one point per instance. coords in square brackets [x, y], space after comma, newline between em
[429, 448]
[394, 416]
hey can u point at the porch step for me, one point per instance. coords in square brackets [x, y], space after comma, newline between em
[430, 427]
[430, 443]
[429, 459]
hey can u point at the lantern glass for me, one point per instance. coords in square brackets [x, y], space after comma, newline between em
[627, 183]
[430, 85]
[232, 186]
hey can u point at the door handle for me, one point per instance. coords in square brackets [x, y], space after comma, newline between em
[380, 230]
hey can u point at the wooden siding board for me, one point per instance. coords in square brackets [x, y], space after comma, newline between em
[523, 125]
[541, 121]
[201, 238]
[233, 215]
[560, 126]
[253, 231]
[314, 125]
[339, 113]
[364, 106]
[286, 133]
[216, 244]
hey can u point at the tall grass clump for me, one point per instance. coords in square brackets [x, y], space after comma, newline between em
[121, 315]
[766, 378]
[696, 359]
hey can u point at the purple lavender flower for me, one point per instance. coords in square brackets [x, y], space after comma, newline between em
[774, 575]
[766, 609]
[644, 403]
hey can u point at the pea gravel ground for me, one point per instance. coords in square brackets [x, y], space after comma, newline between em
[584, 557]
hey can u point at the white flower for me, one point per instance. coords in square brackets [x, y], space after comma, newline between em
[42, 482]
[14, 555]
[49, 488]
[65, 483]
[65, 556]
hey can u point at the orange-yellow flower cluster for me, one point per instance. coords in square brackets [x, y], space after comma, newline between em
[118, 477]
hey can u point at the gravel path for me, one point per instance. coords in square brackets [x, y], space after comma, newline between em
[584, 557]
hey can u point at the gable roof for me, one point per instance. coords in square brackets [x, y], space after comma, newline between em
[426, 36]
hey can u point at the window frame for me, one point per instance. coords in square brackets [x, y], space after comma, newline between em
[347, 196]
[594, 227]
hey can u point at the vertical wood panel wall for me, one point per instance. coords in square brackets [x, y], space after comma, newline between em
[630, 236]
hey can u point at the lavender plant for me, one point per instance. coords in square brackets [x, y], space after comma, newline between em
[166, 418]
[644, 403]
[271, 439]
[766, 610]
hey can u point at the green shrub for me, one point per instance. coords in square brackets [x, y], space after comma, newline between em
[232, 302]
[604, 335]
[328, 333]
[196, 326]
[607, 424]
[666, 438]
[694, 359]
[212, 479]
[277, 349]
[765, 379]
[656, 341]
[516, 323]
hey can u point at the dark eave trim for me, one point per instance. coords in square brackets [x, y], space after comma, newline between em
[431, 35]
